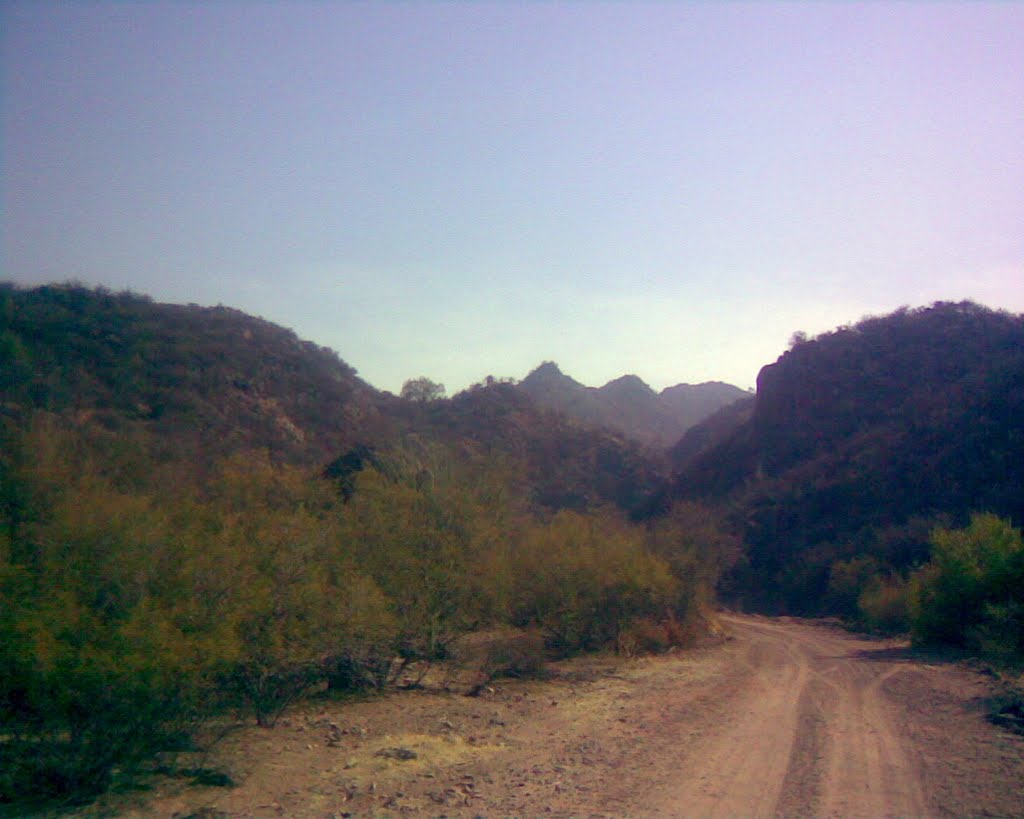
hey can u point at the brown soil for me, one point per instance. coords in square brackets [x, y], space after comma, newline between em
[786, 718]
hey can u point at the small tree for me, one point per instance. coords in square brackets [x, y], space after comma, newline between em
[422, 389]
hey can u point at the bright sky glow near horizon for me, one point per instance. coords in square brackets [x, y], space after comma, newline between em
[463, 189]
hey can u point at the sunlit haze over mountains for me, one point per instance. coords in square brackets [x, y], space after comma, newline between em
[457, 190]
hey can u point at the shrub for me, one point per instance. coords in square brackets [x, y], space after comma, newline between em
[88, 698]
[971, 595]
[654, 636]
[519, 656]
[98, 672]
[582, 579]
[847, 581]
[427, 548]
[884, 605]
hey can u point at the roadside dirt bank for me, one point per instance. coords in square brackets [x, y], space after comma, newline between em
[786, 718]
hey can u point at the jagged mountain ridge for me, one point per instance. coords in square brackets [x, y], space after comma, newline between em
[628, 404]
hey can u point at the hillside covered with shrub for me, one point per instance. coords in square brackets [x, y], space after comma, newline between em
[859, 443]
[202, 515]
[199, 383]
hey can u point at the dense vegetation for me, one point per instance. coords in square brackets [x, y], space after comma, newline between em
[136, 603]
[200, 384]
[859, 444]
[207, 380]
[201, 514]
[971, 593]
[185, 532]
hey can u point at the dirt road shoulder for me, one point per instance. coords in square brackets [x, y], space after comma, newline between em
[785, 718]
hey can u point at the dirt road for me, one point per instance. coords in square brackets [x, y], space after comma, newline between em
[810, 733]
[783, 719]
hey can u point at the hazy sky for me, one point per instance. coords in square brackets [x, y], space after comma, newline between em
[464, 189]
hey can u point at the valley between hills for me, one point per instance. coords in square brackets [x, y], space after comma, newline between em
[238, 580]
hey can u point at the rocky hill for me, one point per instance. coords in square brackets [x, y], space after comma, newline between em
[860, 440]
[210, 379]
[630, 405]
[200, 383]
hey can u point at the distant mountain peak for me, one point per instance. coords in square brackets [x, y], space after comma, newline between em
[548, 369]
[629, 387]
[549, 376]
[629, 381]
[703, 385]
[628, 403]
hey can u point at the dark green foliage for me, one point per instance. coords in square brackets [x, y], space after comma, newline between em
[344, 469]
[208, 777]
[422, 389]
[1007, 711]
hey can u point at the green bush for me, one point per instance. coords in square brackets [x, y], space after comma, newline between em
[135, 602]
[98, 671]
[428, 547]
[84, 698]
[971, 594]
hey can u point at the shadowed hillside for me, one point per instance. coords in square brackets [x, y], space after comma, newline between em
[203, 516]
[565, 462]
[860, 440]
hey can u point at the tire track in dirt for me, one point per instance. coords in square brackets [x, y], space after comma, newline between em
[812, 735]
[870, 773]
[741, 768]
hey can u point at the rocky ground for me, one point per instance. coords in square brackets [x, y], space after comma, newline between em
[784, 718]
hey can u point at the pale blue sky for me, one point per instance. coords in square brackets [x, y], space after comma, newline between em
[463, 189]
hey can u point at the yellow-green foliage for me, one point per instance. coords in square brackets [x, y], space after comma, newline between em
[971, 594]
[847, 580]
[100, 673]
[126, 615]
[435, 550]
[132, 605]
[695, 543]
[584, 578]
